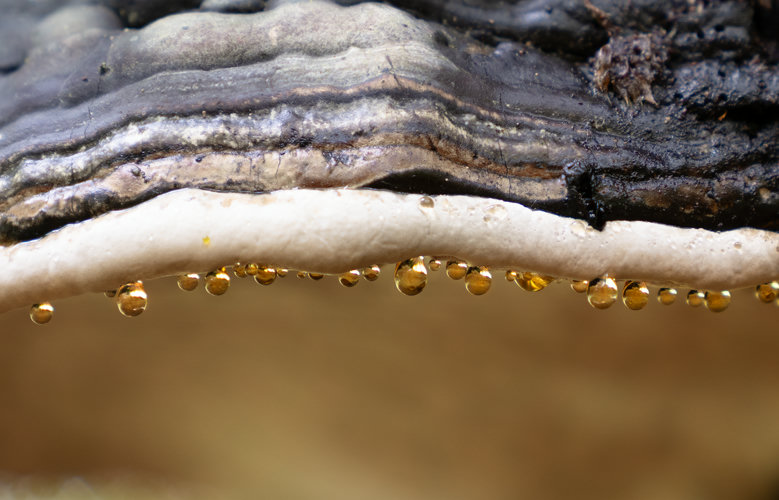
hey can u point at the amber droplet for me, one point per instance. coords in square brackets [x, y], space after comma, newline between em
[281, 272]
[239, 270]
[411, 276]
[316, 276]
[265, 275]
[511, 275]
[717, 301]
[694, 298]
[478, 280]
[252, 268]
[434, 264]
[217, 282]
[350, 278]
[40, 314]
[456, 269]
[131, 299]
[110, 293]
[666, 296]
[533, 282]
[302, 274]
[602, 292]
[635, 295]
[188, 282]
[579, 286]
[767, 292]
[371, 273]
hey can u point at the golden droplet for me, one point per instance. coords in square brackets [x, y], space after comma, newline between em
[579, 286]
[602, 292]
[478, 280]
[411, 276]
[426, 202]
[265, 275]
[666, 296]
[281, 272]
[694, 298]
[131, 299]
[767, 292]
[110, 293]
[350, 278]
[252, 268]
[188, 282]
[371, 273]
[239, 270]
[316, 276]
[434, 264]
[40, 314]
[456, 269]
[717, 301]
[511, 275]
[217, 282]
[302, 274]
[635, 295]
[533, 282]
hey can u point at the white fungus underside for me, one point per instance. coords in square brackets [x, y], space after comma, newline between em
[332, 231]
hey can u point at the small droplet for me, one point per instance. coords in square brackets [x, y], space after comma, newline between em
[350, 278]
[767, 292]
[316, 276]
[281, 272]
[533, 282]
[434, 264]
[694, 298]
[252, 268]
[188, 282]
[511, 275]
[456, 269]
[239, 270]
[579, 286]
[666, 296]
[110, 293]
[371, 273]
[302, 274]
[40, 314]
[602, 293]
[265, 275]
[217, 282]
[478, 280]
[131, 299]
[426, 202]
[635, 295]
[411, 276]
[717, 301]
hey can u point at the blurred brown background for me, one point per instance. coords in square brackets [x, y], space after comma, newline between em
[308, 390]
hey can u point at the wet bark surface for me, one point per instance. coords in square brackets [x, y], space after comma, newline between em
[658, 111]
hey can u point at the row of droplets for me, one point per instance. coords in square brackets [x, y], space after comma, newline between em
[411, 278]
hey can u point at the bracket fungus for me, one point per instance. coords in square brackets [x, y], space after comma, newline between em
[334, 138]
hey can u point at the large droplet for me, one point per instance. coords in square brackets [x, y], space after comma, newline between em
[131, 299]
[533, 282]
[478, 280]
[371, 273]
[316, 276]
[694, 298]
[411, 276]
[456, 269]
[717, 301]
[350, 278]
[40, 314]
[602, 293]
[635, 295]
[265, 275]
[217, 282]
[579, 286]
[767, 292]
[188, 282]
[666, 296]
